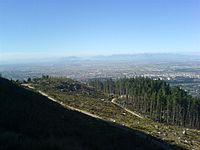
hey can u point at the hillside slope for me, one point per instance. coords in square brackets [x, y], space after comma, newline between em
[104, 108]
[29, 120]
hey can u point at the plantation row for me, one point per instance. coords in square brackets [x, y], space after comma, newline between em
[154, 98]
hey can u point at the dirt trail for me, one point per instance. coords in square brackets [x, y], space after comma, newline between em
[131, 112]
[61, 103]
[82, 111]
[69, 107]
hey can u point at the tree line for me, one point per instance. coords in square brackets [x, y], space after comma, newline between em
[153, 98]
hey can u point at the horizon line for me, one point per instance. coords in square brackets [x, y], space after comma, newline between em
[44, 58]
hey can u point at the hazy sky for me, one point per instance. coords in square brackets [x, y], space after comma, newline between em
[37, 28]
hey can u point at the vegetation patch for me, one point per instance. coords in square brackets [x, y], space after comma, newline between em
[101, 105]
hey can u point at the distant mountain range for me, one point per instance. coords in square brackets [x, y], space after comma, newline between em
[142, 57]
[147, 57]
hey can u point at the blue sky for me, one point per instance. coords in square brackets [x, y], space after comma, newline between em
[53, 28]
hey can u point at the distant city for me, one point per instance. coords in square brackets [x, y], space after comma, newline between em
[177, 70]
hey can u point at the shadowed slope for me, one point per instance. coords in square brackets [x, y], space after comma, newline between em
[31, 121]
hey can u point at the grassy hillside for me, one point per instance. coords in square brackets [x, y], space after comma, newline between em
[102, 106]
[31, 121]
